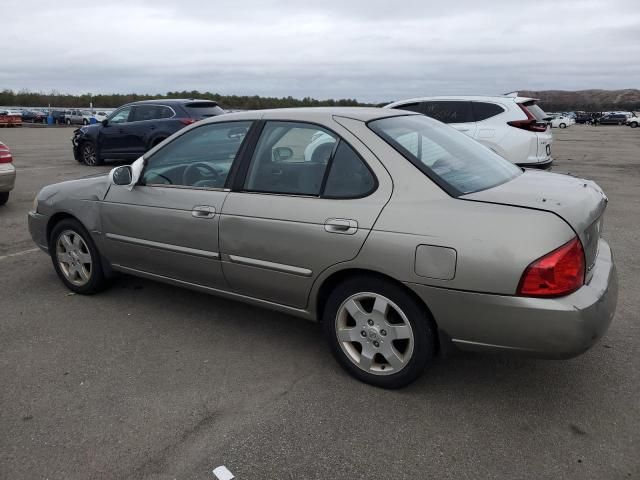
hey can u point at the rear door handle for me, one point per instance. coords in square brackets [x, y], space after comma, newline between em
[341, 225]
[203, 211]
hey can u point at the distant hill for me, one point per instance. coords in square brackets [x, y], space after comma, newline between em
[587, 100]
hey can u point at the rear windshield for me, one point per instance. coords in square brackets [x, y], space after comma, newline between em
[203, 109]
[536, 111]
[454, 161]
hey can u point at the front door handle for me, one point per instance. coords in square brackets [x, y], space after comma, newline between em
[341, 225]
[203, 211]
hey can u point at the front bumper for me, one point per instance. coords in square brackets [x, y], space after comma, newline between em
[38, 230]
[7, 177]
[550, 328]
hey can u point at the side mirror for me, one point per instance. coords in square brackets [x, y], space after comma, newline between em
[282, 153]
[105, 122]
[122, 175]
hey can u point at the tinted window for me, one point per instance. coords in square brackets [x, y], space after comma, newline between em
[449, 112]
[202, 157]
[536, 111]
[151, 112]
[454, 161]
[121, 116]
[203, 109]
[348, 177]
[290, 158]
[412, 107]
[484, 110]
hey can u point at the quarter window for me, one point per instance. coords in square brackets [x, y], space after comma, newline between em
[199, 158]
[348, 177]
[449, 111]
[484, 110]
[412, 107]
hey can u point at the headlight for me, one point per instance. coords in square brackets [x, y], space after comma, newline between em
[35, 204]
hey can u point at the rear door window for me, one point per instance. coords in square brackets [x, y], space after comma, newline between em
[449, 111]
[485, 110]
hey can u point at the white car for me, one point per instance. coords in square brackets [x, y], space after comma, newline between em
[633, 121]
[514, 127]
[562, 122]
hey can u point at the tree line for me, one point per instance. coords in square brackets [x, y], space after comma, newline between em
[26, 98]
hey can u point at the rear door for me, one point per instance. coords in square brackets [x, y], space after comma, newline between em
[456, 113]
[304, 201]
[167, 226]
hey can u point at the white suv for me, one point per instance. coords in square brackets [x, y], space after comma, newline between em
[512, 126]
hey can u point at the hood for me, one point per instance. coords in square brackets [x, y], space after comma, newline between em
[579, 202]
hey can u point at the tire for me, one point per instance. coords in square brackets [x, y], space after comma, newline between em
[392, 363]
[633, 124]
[76, 258]
[4, 197]
[563, 125]
[68, 121]
[89, 154]
[85, 121]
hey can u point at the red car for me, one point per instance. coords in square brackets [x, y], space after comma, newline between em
[10, 119]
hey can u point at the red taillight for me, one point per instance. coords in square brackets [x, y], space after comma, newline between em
[558, 273]
[5, 155]
[187, 121]
[530, 124]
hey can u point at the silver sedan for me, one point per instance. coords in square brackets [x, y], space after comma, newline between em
[395, 231]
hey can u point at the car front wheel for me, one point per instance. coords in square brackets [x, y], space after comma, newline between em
[89, 154]
[75, 258]
[633, 124]
[563, 125]
[378, 332]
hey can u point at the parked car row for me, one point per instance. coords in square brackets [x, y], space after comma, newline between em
[394, 230]
[9, 118]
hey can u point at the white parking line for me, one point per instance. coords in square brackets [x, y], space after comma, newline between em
[39, 168]
[223, 473]
[17, 254]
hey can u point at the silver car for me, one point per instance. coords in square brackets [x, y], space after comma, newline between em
[395, 231]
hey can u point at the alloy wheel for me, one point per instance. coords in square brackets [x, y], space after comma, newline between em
[374, 333]
[89, 154]
[74, 258]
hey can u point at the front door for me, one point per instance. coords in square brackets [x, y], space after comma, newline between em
[306, 202]
[167, 225]
[113, 137]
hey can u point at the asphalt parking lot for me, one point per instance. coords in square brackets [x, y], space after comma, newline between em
[149, 381]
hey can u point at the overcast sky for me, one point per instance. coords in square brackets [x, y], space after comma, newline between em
[372, 50]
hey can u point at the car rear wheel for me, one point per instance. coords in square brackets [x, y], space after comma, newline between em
[85, 121]
[378, 332]
[76, 258]
[633, 124]
[89, 154]
[4, 197]
[68, 121]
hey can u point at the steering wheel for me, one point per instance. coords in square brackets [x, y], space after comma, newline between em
[194, 173]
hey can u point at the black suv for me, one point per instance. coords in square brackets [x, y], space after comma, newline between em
[134, 128]
[612, 119]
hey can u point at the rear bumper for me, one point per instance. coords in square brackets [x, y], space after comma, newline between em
[38, 230]
[551, 328]
[7, 177]
[542, 165]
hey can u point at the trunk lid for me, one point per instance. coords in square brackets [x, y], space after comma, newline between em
[581, 203]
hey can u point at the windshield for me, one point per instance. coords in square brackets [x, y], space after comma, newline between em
[454, 161]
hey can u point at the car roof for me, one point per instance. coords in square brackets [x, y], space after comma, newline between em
[470, 98]
[318, 114]
[171, 101]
